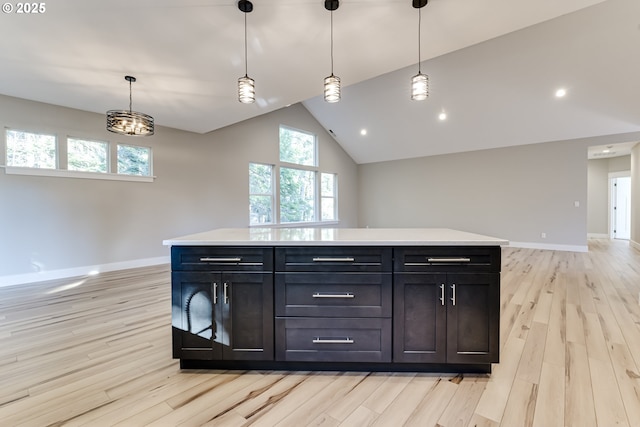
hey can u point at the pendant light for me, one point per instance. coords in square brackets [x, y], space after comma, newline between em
[246, 85]
[419, 82]
[128, 122]
[331, 83]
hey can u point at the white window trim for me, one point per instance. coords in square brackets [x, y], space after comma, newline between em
[274, 199]
[64, 173]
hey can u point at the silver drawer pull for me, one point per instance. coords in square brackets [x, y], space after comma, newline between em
[207, 259]
[318, 340]
[326, 295]
[322, 259]
[461, 259]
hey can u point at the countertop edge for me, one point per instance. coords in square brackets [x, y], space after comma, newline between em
[342, 237]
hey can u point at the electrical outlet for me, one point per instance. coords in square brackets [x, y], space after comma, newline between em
[543, 235]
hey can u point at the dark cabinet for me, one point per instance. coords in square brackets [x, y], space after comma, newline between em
[337, 307]
[225, 313]
[446, 305]
[333, 304]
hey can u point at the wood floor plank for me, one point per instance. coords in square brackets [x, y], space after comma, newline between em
[549, 406]
[579, 406]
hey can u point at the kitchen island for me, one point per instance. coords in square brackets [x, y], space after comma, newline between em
[336, 298]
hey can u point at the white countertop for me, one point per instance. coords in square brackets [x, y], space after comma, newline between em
[315, 236]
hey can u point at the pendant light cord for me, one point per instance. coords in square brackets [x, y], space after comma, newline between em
[246, 67]
[331, 42]
[419, 25]
[130, 98]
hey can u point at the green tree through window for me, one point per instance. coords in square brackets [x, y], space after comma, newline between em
[133, 160]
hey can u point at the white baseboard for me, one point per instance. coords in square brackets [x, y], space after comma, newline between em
[634, 244]
[41, 276]
[597, 236]
[550, 247]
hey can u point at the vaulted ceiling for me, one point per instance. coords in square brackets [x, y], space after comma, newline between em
[494, 66]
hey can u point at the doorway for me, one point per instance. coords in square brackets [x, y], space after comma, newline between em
[620, 207]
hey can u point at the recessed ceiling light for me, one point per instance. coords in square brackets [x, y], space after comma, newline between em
[561, 92]
[363, 131]
[442, 116]
[606, 151]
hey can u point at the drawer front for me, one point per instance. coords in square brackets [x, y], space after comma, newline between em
[447, 259]
[333, 340]
[334, 259]
[215, 258]
[333, 295]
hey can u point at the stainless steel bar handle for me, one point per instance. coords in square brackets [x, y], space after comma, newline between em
[461, 259]
[319, 340]
[442, 294]
[343, 259]
[215, 293]
[209, 259]
[326, 295]
[453, 294]
[226, 295]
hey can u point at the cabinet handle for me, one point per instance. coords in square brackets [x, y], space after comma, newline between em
[318, 340]
[209, 259]
[226, 295]
[442, 294]
[453, 294]
[215, 293]
[326, 295]
[323, 259]
[461, 259]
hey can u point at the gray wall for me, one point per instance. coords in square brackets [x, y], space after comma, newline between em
[515, 193]
[598, 192]
[53, 223]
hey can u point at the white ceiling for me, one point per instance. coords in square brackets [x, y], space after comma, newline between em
[493, 66]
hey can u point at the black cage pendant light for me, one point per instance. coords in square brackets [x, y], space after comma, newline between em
[419, 82]
[246, 85]
[331, 83]
[129, 122]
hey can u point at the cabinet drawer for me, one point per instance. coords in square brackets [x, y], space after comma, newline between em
[333, 340]
[213, 258]
[333, 294]
[447, 259]
[343, 259]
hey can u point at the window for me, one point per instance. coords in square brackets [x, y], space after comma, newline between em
[260, 194]
[87, 156]
[31, 153]
[297, 147]
[134, 160]
[304, 194]
[297, 195]
[328, 196]
[31, 150]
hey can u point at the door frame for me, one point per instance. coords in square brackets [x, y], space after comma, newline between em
[610, 213]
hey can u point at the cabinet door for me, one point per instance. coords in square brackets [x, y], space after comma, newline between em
[473, 318]
[419, 318]
[247, 305]
[196, 318]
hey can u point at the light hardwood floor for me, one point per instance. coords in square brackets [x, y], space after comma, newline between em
[97, 352]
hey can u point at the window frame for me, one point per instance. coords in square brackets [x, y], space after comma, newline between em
[61, 158]
[317, 200]
[272, 196]
[117, 159]
[56, 154]
[108, 152]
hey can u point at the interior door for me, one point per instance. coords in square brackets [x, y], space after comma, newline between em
[621, 208]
